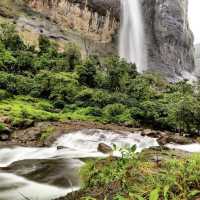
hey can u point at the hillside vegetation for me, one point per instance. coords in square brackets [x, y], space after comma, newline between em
[45, 84]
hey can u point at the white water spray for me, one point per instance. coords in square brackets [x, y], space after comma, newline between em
[132, 40]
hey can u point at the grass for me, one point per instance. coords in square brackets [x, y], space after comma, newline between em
[20, 108]
[138, 179]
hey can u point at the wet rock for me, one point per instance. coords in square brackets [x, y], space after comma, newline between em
[5, 133]
[162, 140]
[61, 147]
[180, 140]
[162, 153]
[104, 148]
[4, 137]
[6, 130]
[177, 139]
[150, 133]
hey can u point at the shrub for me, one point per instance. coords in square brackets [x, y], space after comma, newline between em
[59, 104]
[114, 109]
[4, 94]
[10, 38]
[44, 43]
[2, 127]
[73, 55]
[87, 73]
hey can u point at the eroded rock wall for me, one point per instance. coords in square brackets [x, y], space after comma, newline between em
[168, 36]
[92, 18]
[197, 60]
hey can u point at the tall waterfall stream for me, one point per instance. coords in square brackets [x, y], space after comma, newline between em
[132, 38]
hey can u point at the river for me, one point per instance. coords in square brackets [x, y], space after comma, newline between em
[48, 173]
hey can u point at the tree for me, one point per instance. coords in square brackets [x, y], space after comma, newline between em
[73, 55]
[10, 38]
[44, 43]
[119, 73]
[87, 73]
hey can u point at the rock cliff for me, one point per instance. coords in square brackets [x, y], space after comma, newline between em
[169, 39]
[197, 60]
[94, 26]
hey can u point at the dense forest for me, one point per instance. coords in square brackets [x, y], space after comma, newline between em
[42, 83]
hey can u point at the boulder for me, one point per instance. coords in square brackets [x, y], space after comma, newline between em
[150, 133]
[180, 140]
[5, 133]
[4, 137]
[61, 147]
[104, 148]
[177, 139]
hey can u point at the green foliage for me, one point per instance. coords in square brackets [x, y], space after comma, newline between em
[119, 73]
[2, 127]
[10, 38]
[107, 90]
[154, 195]
[114, 110]
[73, 55]
[142, 180]
[4, 94]
[87, 73]
[44, 43]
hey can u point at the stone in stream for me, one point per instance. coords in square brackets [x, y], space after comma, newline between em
[177, 139]
[61, 147]
[4, 137]
[150, 133]
[104, 148]
[5, 133]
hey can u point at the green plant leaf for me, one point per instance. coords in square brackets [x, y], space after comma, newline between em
[193, 193]
[165, 192]
[154, 195]
[133, 148]
[138, 197]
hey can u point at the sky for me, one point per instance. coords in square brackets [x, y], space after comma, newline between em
[194, 19]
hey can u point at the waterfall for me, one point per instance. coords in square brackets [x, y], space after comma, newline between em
[132, 39]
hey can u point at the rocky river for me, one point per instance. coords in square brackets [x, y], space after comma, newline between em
[50, 172]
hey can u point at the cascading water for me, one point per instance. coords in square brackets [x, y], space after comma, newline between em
[132, 38]
[49, 173]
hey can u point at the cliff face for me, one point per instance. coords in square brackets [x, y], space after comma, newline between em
[197, 60]
[95, 19]
[94, 26]
[169, 39]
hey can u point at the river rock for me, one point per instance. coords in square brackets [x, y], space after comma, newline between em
[61, 147]
[180, 140]
[4, 137]
[5, 133]
[177, 139]
[149, 133]
[104, 148]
